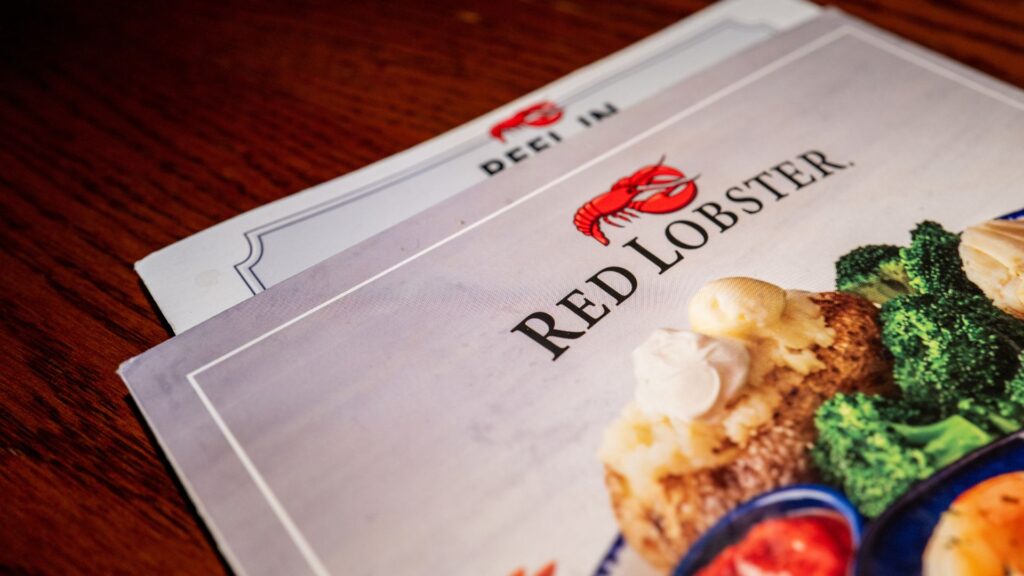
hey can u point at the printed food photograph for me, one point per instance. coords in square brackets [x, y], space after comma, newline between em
[874, 429]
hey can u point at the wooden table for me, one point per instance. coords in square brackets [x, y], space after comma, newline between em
[129, 125]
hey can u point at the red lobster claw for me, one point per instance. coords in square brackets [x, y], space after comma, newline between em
[677, 191]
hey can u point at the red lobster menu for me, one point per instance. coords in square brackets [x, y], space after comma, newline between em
[769, 321]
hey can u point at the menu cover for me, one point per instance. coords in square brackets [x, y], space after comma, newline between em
[633, 358]
[194, 279]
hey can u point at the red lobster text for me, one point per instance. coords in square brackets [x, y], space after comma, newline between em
[672, 191]
[541, 114]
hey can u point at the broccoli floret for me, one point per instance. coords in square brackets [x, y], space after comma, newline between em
[875, 448]
[1015, 387]
[932, 261]
[997, 415]
[875, 272]
[950, 346]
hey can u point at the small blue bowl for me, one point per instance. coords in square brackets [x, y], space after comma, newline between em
[895, 542]
[784, 502]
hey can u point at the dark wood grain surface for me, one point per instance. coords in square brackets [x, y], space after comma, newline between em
[129, 125]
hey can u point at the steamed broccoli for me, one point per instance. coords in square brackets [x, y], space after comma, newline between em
[1015, 387]
[875, 272]
[950, 346]
[875, 448]
[997, 414]
[932, 261]
[957, 359]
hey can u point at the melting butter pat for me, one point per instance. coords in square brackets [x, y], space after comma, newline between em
[736, 307]
[757, 312]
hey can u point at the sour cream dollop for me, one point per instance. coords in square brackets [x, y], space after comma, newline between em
[684, 375]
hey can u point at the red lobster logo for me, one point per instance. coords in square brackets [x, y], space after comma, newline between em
[540, 114]
[673, 191]
[547, 570]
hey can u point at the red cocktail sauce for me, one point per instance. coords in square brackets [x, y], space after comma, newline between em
[811, 545]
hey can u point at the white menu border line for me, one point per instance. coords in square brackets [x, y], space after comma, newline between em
[310, 555]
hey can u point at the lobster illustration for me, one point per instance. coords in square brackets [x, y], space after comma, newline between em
[547, 570]
[673, 191]
[540, 114]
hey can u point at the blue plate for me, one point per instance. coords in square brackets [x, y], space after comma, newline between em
[788, 501]
[895, 542]
[1018, 215]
